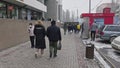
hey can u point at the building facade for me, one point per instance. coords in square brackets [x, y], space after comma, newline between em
[51, 9]
[60, 11]
[117, 11]
[54, 9]
[68, 16]
[22, 9]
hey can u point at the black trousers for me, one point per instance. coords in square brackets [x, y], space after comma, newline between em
[32, 41]
[93, 35]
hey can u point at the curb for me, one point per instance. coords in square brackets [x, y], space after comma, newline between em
[95, 58]
[106, 59]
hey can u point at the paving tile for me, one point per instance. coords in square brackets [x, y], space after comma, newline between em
[22, 56]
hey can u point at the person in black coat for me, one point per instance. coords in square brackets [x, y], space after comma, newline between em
[39, 31]
[54, 35]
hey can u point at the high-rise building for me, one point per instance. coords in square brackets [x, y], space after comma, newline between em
[68, 16]
[22, 9]
[63, 16]
[51, 9]
[54, 9]
[60, 10]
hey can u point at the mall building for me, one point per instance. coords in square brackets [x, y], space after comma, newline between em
[22, 9]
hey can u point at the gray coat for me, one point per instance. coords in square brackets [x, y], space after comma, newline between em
[94, 27]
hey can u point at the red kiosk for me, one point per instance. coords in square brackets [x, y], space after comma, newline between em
[101, 18]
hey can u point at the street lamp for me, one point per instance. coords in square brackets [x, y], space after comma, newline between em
[89, 6]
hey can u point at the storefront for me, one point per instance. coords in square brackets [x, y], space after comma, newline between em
[100, 18]
[2, 10]
[14, 11]
[8, 10]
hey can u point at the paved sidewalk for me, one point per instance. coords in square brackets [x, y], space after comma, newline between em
[72, 55]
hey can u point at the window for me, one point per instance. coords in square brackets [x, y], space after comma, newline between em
[2, 10]
[113, 28]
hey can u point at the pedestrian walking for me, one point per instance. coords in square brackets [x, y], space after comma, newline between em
[31, 34]
[82, 29]
[93, 31]
[78, 28]
[54, 36]
[65, 28]
[39, 32]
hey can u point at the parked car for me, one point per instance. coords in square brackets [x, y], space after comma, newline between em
[116, 44]
[109, 32]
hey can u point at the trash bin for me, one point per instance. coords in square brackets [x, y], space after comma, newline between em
[90, 51]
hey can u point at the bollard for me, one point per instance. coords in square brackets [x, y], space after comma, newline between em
[90, 51]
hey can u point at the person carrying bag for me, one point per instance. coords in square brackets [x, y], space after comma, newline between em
[54, 36]
[59, 46]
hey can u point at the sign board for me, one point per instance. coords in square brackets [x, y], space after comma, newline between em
[10, 7]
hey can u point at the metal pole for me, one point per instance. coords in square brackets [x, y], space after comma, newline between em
[77, 14]
[89, 6]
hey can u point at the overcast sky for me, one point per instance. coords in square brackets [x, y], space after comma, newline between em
[82, 5]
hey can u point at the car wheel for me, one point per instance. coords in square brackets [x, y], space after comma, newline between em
[112, 38]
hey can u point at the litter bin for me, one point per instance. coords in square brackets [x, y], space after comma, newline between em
[90, 51]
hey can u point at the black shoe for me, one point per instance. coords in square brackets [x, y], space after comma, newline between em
[32, 46]
[50, 56]
[55, 56]
[36, 56]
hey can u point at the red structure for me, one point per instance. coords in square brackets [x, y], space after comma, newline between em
[102, 18]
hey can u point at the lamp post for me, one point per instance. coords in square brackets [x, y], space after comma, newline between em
[89, 6]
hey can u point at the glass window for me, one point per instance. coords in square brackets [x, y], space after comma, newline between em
[2, 10]
[113, 28]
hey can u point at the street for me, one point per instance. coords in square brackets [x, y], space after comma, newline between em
[105, 48]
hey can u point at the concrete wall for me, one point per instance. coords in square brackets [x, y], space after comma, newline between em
[14, 32]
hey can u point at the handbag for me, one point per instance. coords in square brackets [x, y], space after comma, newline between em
[59, 46]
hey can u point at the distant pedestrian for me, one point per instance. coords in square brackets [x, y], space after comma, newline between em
[54, 35]
[78, 28]
[65, 28]
[70, 28]
[93, 31]
[82, 29]
[31, 34]
[75, 28]
[39, 32]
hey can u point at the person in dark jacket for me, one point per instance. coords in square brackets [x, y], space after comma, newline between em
[39, 31]
[54, 35]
